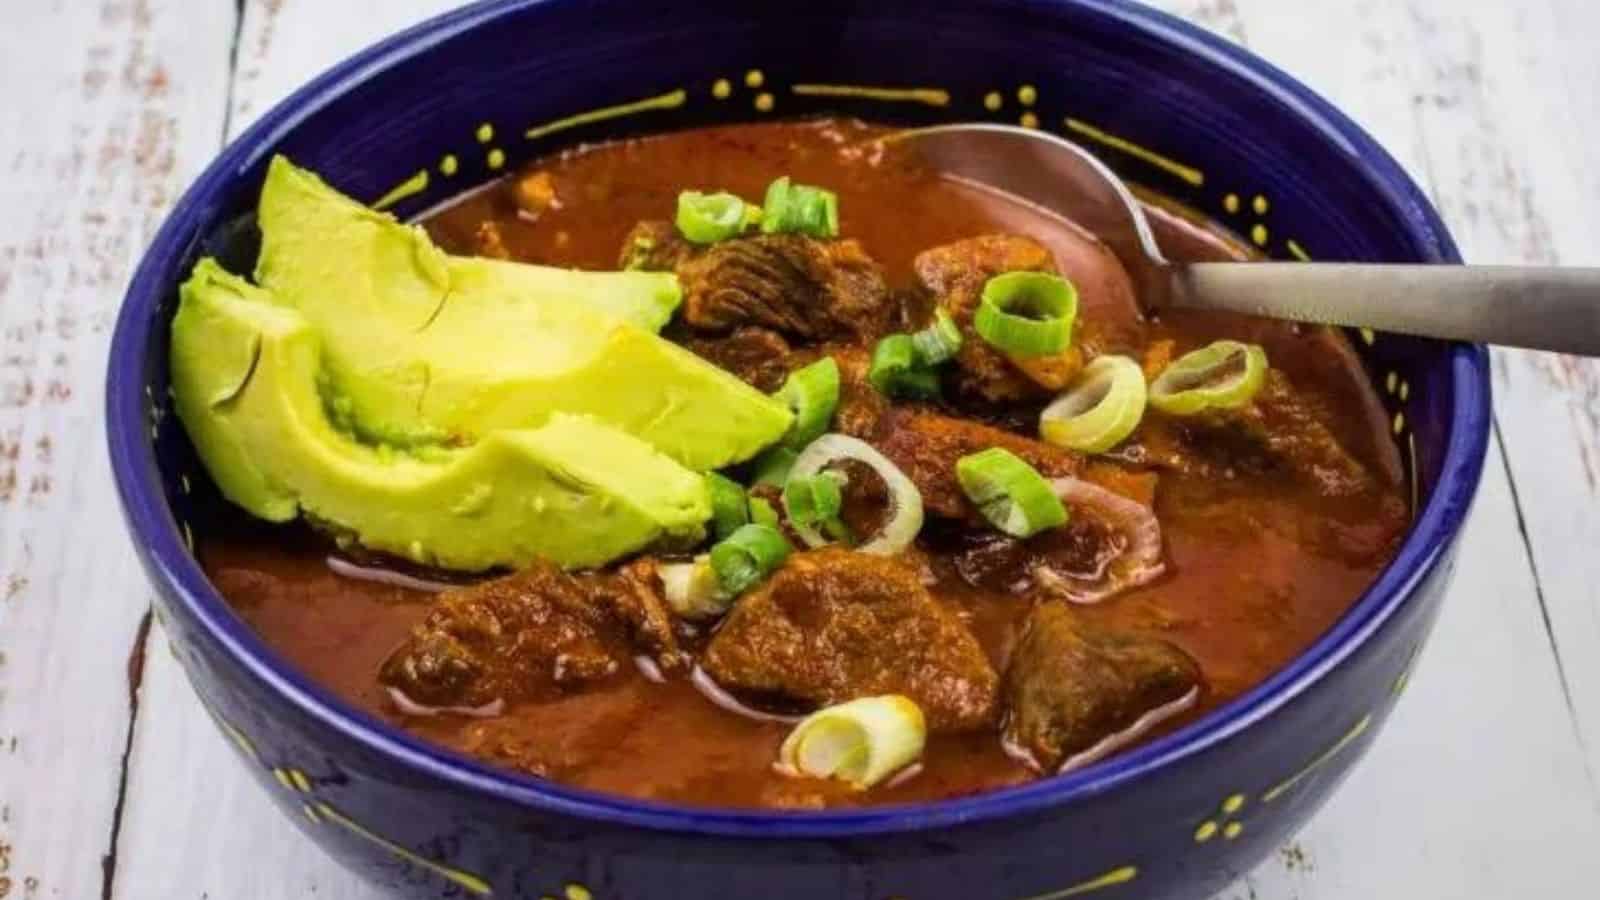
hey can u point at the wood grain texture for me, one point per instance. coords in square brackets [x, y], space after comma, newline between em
[111, 108]
[1482, 786]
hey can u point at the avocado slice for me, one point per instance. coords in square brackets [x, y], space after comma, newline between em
[246, 378]
[424, 347]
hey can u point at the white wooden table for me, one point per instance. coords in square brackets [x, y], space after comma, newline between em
[1485, 785]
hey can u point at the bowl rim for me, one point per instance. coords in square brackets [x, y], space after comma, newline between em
[158, 540]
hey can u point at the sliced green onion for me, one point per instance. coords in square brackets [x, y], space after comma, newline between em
[729, 509]
[1027, 313]
[861, 742]
[938, 342]
[1010, 493]
[800, 209]
[708, 218]
[812, 393]
[1099, 409]
[693, 590]
[762, 513]
[905, 501]
[814, 500]
[746, 557]
[897, 372]
[1222, 375]
[772, 466]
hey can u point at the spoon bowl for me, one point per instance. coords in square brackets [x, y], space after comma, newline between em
[1540, 308]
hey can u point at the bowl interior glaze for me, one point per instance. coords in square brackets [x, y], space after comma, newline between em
[457, 101]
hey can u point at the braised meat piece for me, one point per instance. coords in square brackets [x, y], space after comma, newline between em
[954, 275]
[654, 246]
[1281, 429]
[759, 357]
[1075, 693]
[926, 445]
[807, 289]
[531, 635]
[833, 625]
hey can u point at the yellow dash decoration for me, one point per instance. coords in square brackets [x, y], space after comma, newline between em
[1165, 163]
[1297, 251]
[412, 186]
[1350, 736]
[925, 96]
[471, 882]
[1411, 447]
[1109, 879]
[669, 100]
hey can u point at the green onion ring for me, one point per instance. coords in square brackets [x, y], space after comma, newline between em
[762, 513]
[729, 508]
[800, 209]
[692, 589]
[939, 342]
[812, 393]
[1221, 375]
[1011, 494]
[772, 466]
[905, 501]
[746, 557]
[1027, 314]
[861, 742]
[1099, 409]
[813, 500]
[896, 370]
[709, 218]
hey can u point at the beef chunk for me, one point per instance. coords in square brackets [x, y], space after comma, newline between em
[926, 445]
[1282, 429]
[954, 275]
[1075, 693]
[758, 356]
[531, 635]
[654, 246]
[804, 288]
[833, 625]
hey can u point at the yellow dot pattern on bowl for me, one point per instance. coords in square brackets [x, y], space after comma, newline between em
[1205, 832]
[1369, 337]
[1259, 234]
[1231, 203]
[764, 102]
[1233, 804]
[1391, 381]
[1405, 391]
[721, 89]
[1260, 205]
[1027, 95]
[1399, 422]
[485, 133]
[992, 101]
[497, 159]
[1232, 830]
[754, 78]
[449, 165]
[578, 892]
[1029, 120]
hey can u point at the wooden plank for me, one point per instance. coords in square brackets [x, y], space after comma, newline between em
[1409, 823]
[111, 108]
[170, 845]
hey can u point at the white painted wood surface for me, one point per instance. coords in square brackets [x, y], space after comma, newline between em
[1484, 785]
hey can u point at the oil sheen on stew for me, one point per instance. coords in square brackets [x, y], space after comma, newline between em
[1272, 522]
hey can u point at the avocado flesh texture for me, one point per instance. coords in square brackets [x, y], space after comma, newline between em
[425, 347]
[245, 378]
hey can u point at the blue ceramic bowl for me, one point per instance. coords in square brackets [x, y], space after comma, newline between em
[449, 104]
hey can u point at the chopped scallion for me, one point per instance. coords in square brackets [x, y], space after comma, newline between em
[861, 742]
[939, 342]
[800, 209]
[1222, 375]
[772, 466]
[1099, 409]
[762, 513]
[692, 589]
[708, 218]
[813, 500]
[729, 508]
[897, 372]
[1027, 314]
[812, 393]
[1011, 494]
[746, 557]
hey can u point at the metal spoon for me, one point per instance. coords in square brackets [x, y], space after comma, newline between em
[1541, 308]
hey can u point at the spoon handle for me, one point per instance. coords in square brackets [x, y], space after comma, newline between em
[1539, 308]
